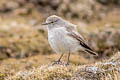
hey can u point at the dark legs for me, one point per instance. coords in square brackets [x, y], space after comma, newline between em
[68, 57]
[58, 61]
[60, 58]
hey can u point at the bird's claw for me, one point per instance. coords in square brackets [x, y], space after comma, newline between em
[56, 62]
[67, 64]
[60, 63]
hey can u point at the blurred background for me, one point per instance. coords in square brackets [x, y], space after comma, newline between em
[24, 40]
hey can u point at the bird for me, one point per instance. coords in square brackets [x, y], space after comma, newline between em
[63, 37]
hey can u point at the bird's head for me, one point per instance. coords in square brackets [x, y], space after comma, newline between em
[52, 20]
[56, 21]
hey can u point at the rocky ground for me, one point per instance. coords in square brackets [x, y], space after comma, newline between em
[26, 55]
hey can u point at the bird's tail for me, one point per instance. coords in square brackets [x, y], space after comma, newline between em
[91, 52]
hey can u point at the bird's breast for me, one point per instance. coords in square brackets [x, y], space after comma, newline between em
[56, 39]
[60, 42]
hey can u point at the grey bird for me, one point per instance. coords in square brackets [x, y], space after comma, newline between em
[63, 37]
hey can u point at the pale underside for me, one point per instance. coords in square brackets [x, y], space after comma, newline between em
[61, 42]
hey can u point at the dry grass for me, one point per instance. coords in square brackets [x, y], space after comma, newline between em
[11, 66]
[105, 70]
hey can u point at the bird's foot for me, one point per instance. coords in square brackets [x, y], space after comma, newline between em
[57, 62]
[67, 64]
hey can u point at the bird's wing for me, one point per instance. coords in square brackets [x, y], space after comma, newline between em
[82, 42]
[78, 37]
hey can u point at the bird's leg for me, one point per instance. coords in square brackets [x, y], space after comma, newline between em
[60, 58]
[68, 57]
[58, 61]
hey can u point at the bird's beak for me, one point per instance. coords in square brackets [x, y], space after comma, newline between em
[45, 23]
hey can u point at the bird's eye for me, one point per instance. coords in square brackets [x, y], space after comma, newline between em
[52, 22]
